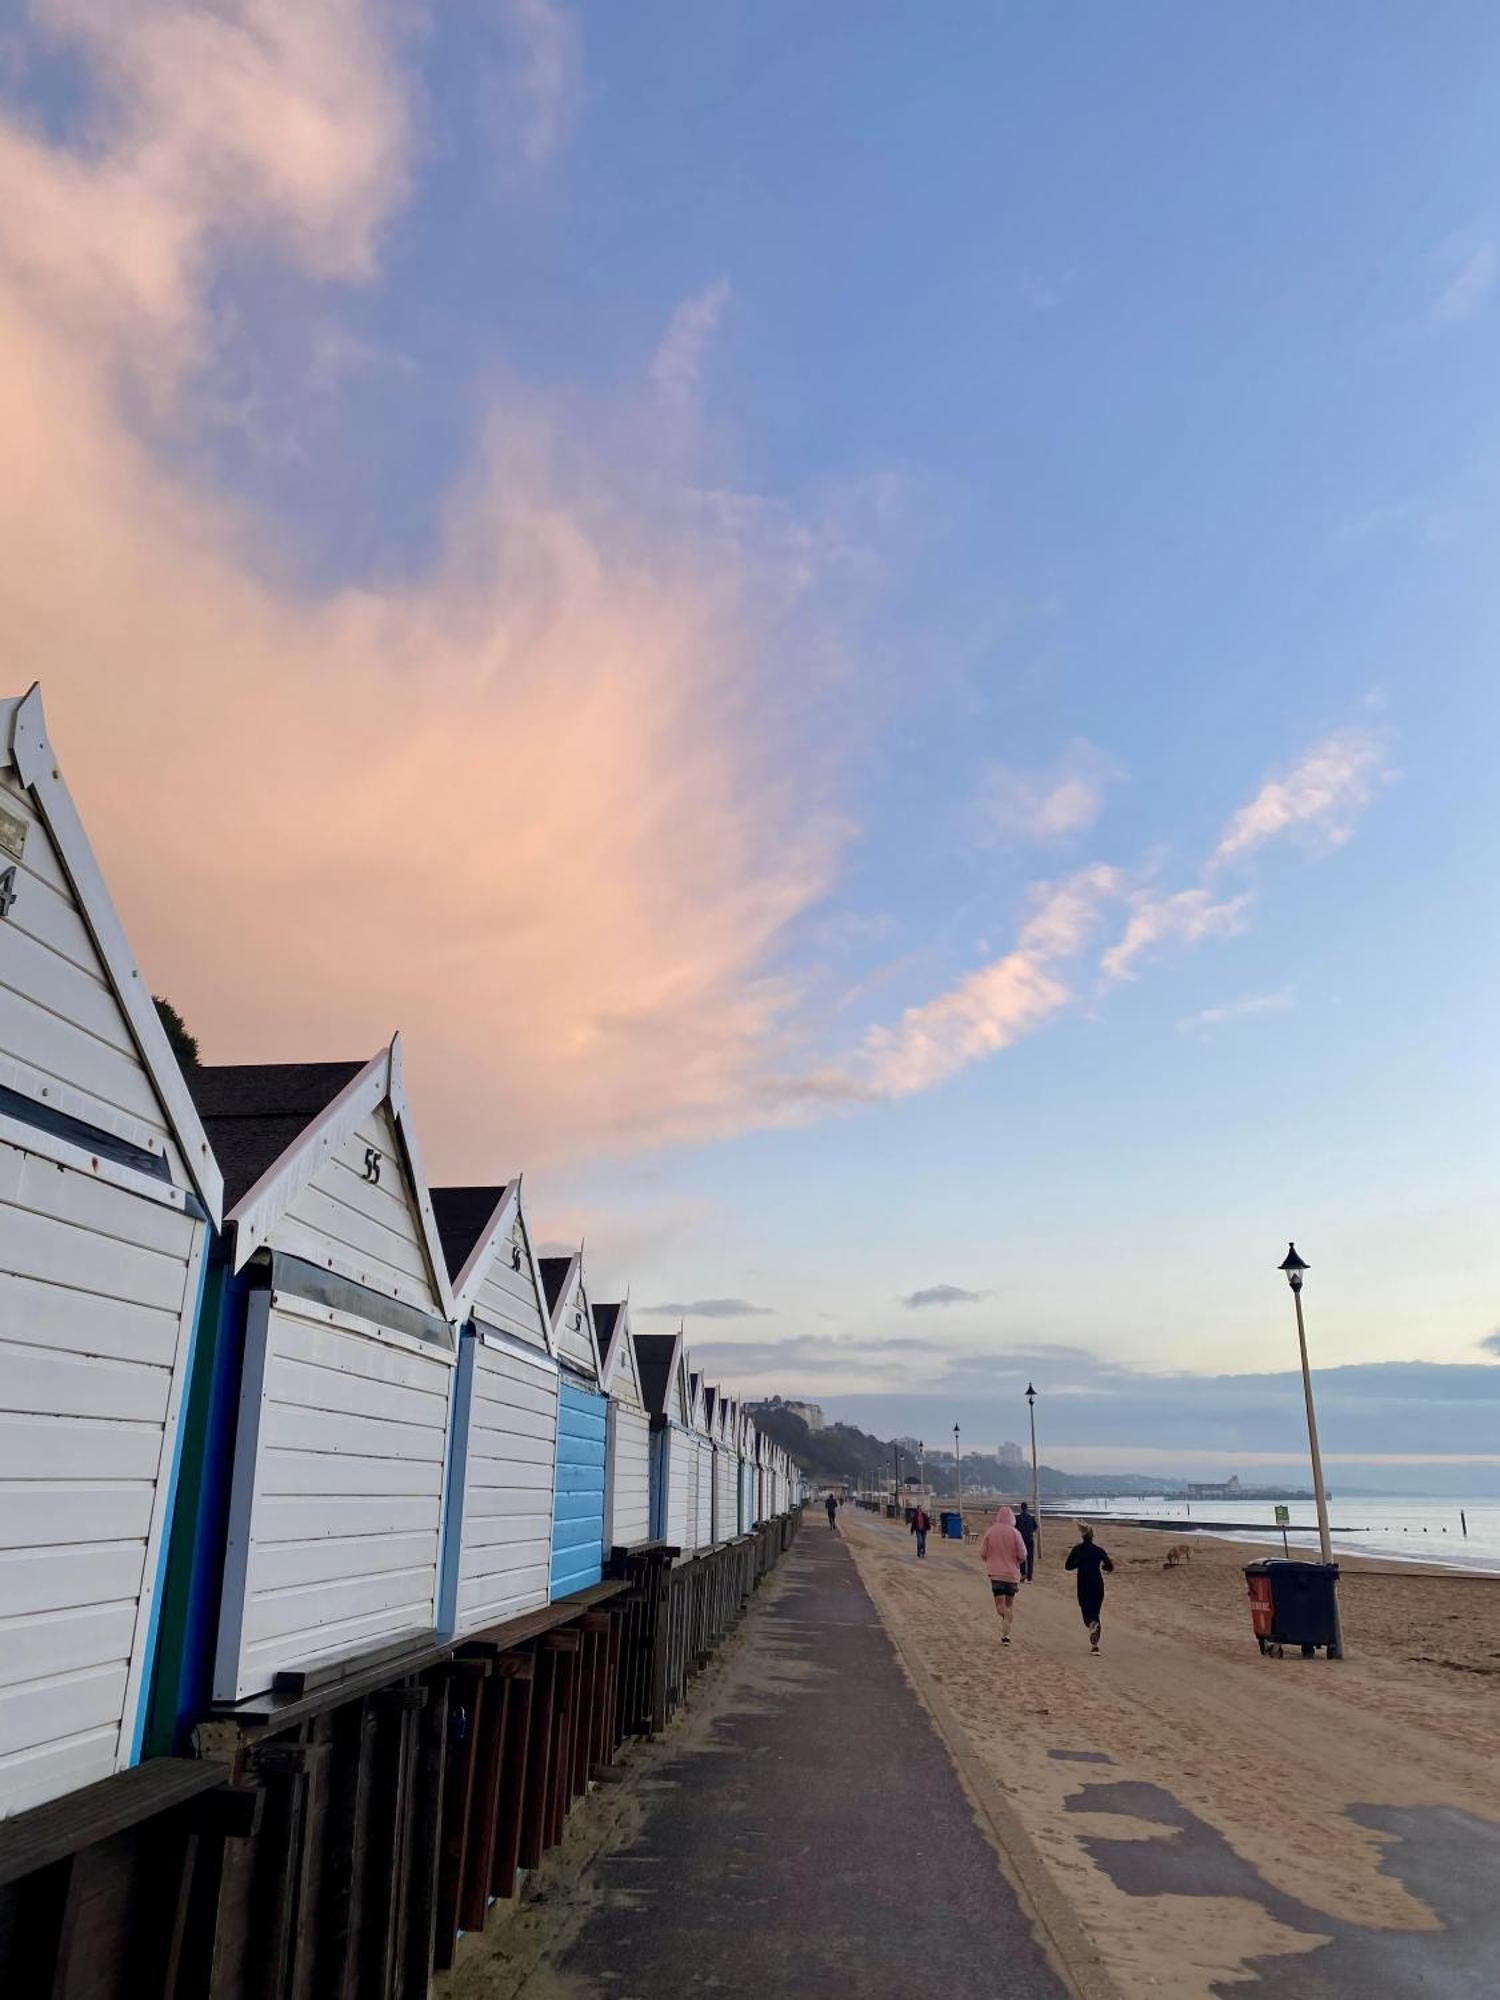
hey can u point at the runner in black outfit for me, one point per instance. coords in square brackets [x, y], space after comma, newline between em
[1090, 1561]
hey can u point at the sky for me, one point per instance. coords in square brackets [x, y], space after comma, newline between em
[872, 626]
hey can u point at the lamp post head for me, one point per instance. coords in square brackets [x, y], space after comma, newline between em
[1030, 1393]
[1293, 1265]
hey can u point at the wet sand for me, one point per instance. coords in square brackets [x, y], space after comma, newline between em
[1283, 1777]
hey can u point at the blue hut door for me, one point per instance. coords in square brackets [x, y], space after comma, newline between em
[578, 1502]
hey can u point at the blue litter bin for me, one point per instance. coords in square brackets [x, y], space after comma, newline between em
[952, 1523]
[1294, 1604]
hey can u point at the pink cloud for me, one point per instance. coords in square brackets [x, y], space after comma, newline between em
[998, 1003]
[1321, 796]
[532, 806]
[1189, 916]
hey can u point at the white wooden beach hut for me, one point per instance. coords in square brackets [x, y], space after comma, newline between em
[107, 1190]
[703, 1467]
[662, 1366]
[627, 1463]
[725, 1506]
[497, 1535]
[582, 1430]
[749, 1498]
[335, 1508]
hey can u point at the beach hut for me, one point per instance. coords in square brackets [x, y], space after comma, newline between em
[662, 1366]
[749, 1498]
[497, 1539]
[337, 1334]
[703, 1465]
[107, 1191]
[725, 1502]
[627, 1458]
[582, 1430]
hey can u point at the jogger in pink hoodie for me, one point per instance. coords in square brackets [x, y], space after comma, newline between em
[1004, 1556]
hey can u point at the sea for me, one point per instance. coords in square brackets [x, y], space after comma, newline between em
[1464, 1534]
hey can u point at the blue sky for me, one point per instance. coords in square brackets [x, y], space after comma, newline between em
[767, 540]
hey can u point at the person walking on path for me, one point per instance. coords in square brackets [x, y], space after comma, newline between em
[1090, 1561]
[921, 1526]
[1026, 1529]
[833, 1512]
[1004, 1555]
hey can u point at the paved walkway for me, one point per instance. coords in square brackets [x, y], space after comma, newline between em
[818, 1842]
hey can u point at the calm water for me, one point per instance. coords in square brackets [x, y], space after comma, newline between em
[1400, 1530]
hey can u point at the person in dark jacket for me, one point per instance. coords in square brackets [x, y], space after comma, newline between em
[921, 1526]
[1026, 1529]
[1090, 1562]
[831, 1503]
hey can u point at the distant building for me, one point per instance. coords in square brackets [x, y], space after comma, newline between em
[1011, 1454]
[810, 1413]
[1209, 1490]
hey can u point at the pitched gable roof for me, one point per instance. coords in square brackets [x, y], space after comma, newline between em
[656, 1356]
[25, 749]
[464, 1215]
[554, 1272]
[252, 1112]
[261, 1103]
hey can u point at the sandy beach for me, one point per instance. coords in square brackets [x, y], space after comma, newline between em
[1279, 1770]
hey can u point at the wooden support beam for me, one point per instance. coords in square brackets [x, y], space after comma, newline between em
[533, 1842]
[467, 1686]
[429, 1758]
[346, 1809]
[484, 1807]
[513, 1775]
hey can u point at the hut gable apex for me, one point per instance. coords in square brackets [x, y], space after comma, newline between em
[621, 1375]
[662, 1367]
[348, 1191]
[79, 1033]
[680, 1395]
[572, 1322]
[492, 1263]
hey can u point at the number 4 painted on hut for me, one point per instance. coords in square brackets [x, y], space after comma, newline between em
[7, 891]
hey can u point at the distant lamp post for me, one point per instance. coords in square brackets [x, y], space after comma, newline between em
[1036, 1482]
[1294, 1266]
[921, 1465]
[958, 1476]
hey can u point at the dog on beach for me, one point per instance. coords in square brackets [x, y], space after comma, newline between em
[1180, 1552]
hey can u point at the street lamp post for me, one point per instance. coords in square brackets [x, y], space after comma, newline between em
[958, 1478]
[1036, 1484]
[1293, 1265]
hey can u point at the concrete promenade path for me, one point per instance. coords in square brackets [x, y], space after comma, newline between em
[812, 1838]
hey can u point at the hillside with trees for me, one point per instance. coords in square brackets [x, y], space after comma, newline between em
[842, 1454]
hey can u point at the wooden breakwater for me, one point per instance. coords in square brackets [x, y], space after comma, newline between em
[332, 1840]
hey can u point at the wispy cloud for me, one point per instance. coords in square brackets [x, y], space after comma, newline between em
[1470, 283]
[1047, 805]
[707, 1309]
[1320, 797]
[995, 1005]
[1235, 1010]
[941, 1295]
[1491, 1342]
[677, 368]
[1188, 916]
[538, 90]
